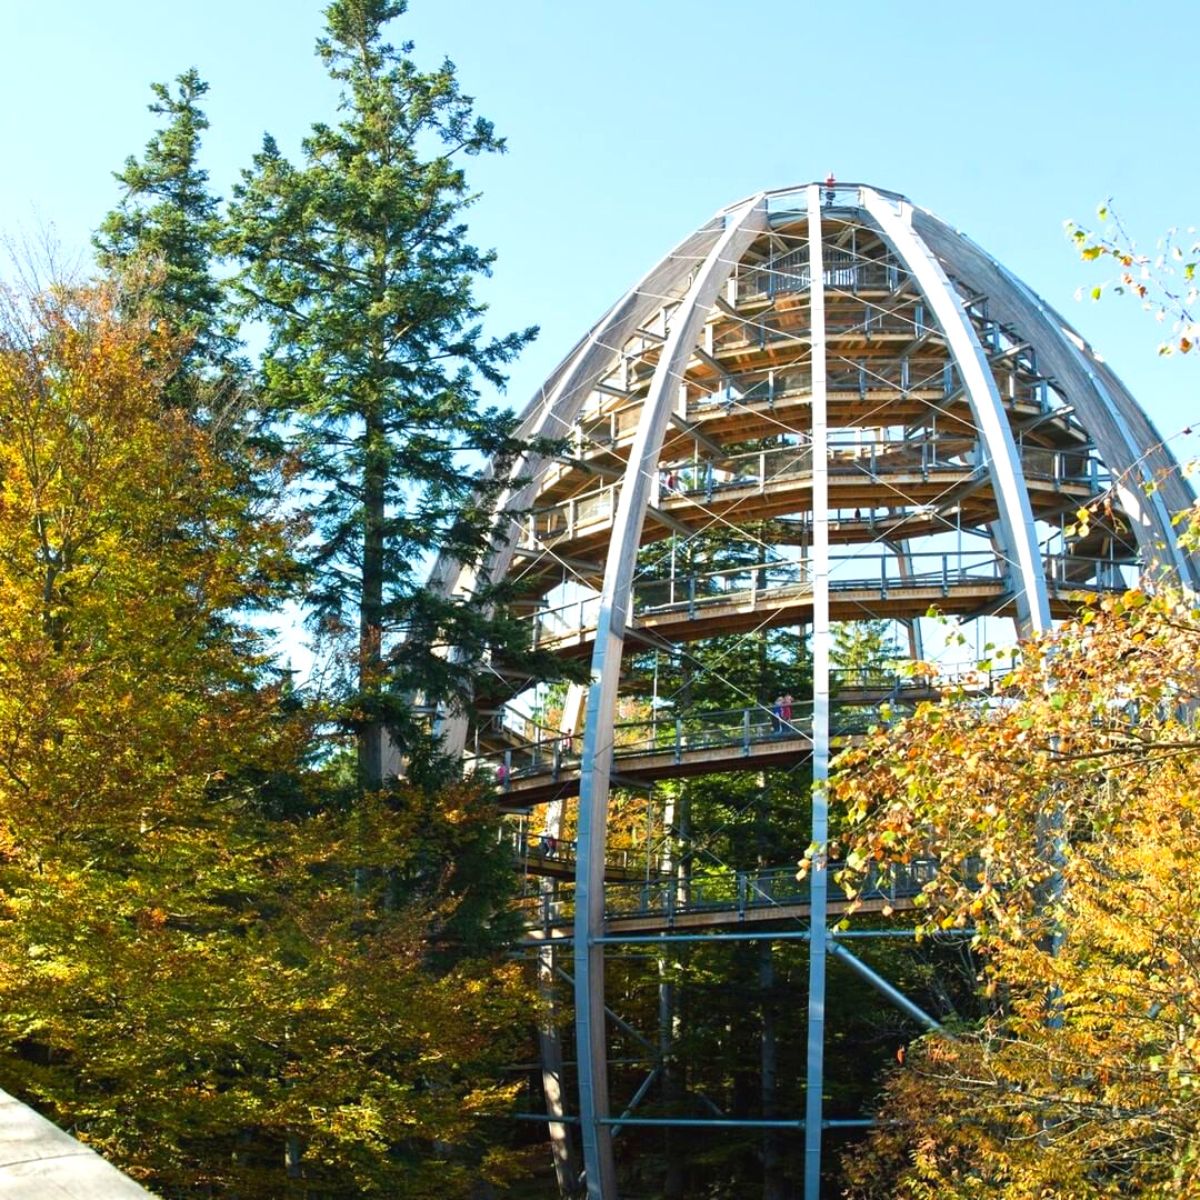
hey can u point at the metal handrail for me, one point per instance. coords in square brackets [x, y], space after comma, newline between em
[679, 733]
[526, 845]
[742, 892]
[903, 374]
[931, 376]
[760, 467]
[772, 581]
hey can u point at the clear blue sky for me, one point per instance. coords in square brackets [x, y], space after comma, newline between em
[630, 121]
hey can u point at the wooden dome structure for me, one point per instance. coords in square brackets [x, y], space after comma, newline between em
[872, 418]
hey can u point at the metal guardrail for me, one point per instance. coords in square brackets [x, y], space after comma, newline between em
[741, 729]
[880, 375]
[842, 270]
[932, 377]
[764, 583]
[528, 846]
[877, 459]
[737, 893]
[671, 734]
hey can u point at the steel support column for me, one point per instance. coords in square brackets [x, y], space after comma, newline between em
[637, 490]
[821, 637]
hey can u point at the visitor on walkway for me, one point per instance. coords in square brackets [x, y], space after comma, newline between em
[777, 715]
[785, 713]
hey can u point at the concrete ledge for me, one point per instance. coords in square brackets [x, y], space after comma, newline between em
[38, 1161]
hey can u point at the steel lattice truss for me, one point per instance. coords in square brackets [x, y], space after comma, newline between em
[885, 421]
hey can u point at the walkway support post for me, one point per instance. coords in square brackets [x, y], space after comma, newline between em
[821, 636]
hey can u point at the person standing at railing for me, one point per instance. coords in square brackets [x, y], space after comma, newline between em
[777, 716]
[785, 714]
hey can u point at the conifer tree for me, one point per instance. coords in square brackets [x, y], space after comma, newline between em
[165, 228]
[357, 260]
[865, 652]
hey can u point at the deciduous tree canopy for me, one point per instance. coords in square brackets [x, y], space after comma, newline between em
[1064, 813]
[218, 1000]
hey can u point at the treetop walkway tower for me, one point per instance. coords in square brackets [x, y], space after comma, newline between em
[825, 405]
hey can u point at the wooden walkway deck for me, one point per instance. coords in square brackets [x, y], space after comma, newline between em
[641, 767]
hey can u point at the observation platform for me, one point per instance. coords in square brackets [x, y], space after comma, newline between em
[827, 345]
[926, 479]
[669, 748]
[763, 596]
[554, 858]
[784, 401]
[678, 745]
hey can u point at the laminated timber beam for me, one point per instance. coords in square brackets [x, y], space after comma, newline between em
[599, 1165]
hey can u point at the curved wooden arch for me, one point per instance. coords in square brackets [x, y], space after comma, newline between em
[641, 473]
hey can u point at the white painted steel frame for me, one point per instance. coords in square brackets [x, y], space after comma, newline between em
[640, 483]
[821, 637]
[553, 412]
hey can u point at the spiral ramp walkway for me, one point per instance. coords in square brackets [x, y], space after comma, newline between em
[824, 409]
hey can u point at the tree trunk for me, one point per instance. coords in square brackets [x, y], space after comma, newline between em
[370, 638]
[774, 1183]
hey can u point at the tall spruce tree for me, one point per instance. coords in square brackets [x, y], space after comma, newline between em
[865, 652]
[358, 262]
[165, 227]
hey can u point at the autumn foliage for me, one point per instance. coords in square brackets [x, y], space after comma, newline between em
[224, 993]
[1064, 811]
[123, 545]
